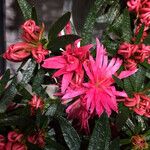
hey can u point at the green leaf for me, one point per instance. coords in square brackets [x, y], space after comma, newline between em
[140, 34]
[139, 78]
[58, 26]
[28, 73]
[126, 26]
[101, 135]
[70, 135]
[118, 81]
[34, 15]
[114, 145]
[8, 96]
[147, 40]
[91, 19]
[4, 80]
[62, 41]
[25, 8]
[128, 87]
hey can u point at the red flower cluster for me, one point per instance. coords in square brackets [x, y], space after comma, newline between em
[17, 141]
[31, 44]
[142, 10]
[140, 104]
[14, 141]
[134, 54]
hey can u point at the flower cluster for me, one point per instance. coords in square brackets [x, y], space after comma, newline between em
[87, 83]
[31, 45]
[140, 104]
[142, 10]
[134, 54]
[17, 141]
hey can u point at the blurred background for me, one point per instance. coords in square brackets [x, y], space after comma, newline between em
[48, 11]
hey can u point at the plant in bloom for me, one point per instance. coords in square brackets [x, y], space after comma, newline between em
[31, 45]
[140, 104]
[36, 103]
[98, 93]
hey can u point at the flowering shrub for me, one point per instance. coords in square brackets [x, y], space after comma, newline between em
[102, 95]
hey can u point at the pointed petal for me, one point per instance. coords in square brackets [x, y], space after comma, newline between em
[125, 74]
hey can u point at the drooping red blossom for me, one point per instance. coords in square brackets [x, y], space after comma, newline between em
[2, 142]
[31, 32]
[13, 136]
[17, 52]
[15, 146]
[134, 54]
[98, 93]
[39, 53]
[140, 104]
[69, 63]
[36, 103]
[37, 139]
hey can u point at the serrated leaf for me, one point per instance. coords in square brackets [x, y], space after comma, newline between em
[118, 81]
[58, 26]
[126, 26]
[140, 34]
[62, 41]
[25, 8]
[34, 15]
[70, 135]
[101, 135]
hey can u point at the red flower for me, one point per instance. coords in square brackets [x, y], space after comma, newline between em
[39, 53]
[13, 136]
[2, 142]
[69, 63]
[31, 32]
[17, 52]
[15, 146]
[134, 5]
[140, 104]
[37, 138]
[36, 103]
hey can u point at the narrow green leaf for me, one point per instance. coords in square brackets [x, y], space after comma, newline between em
[70, 135]
[139, 36]
[101, 135]
[91, 19]
[58, 26]
[25, 8]
[28, 73]
[114, 145]
[34, 15]
[8, 96]
[126, 26]
[62, 41]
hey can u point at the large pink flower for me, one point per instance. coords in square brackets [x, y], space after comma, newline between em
[69, 63]
[98, 93]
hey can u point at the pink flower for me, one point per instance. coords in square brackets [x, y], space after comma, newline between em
[15, 146]
[134, 5]
[37, 138]
[17, 52]
[36, 103]
[13, 136]
[140, 104]
[2, 142]
[98, 93]
[69, 63]
[31, 32]
[39, 53]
